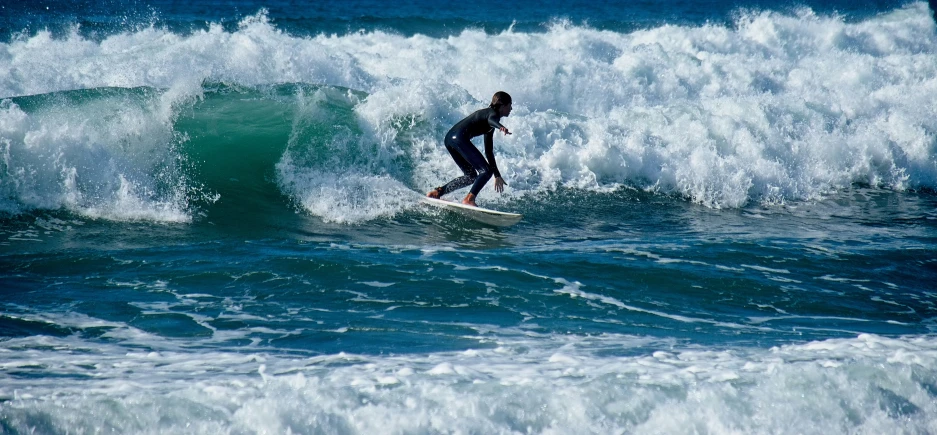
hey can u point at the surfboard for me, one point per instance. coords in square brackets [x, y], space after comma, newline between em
[483, 215]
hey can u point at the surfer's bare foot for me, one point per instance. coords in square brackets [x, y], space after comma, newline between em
[435, 193]
[469, 200]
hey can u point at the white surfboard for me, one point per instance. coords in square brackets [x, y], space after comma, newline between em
[483, 215]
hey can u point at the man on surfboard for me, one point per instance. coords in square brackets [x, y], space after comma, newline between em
[476, 169]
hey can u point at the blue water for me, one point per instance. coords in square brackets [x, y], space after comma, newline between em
[210, 218]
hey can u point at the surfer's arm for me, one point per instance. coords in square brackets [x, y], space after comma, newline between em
[490, 153]
[493, 121]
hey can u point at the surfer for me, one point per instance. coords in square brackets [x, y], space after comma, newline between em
[477, 170]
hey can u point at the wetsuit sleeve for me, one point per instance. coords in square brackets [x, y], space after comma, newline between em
[490, 152]
[493, 119]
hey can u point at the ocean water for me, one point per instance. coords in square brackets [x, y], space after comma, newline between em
[210, 218]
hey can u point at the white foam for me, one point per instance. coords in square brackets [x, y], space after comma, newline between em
[776, 108]
[529, 383]
[110, 159]
[346, 198]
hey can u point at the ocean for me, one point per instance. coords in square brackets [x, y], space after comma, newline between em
[210, 218]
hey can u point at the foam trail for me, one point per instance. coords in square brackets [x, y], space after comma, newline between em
[763, 111]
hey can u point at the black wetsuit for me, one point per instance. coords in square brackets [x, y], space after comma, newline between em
[477, 170]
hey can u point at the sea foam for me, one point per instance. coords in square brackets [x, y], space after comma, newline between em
[543, 384]
[109, 156]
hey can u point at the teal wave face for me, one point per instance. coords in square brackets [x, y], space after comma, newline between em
[233, 139]
[265, 150]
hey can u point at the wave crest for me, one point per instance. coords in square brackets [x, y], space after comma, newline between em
[777, 108]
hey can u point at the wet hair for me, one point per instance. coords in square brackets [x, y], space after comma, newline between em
[499, 99]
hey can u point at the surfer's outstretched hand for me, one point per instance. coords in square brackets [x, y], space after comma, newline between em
[504, 130]
[499, 185]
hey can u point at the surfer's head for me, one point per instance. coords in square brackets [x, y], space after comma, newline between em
[501, 102]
